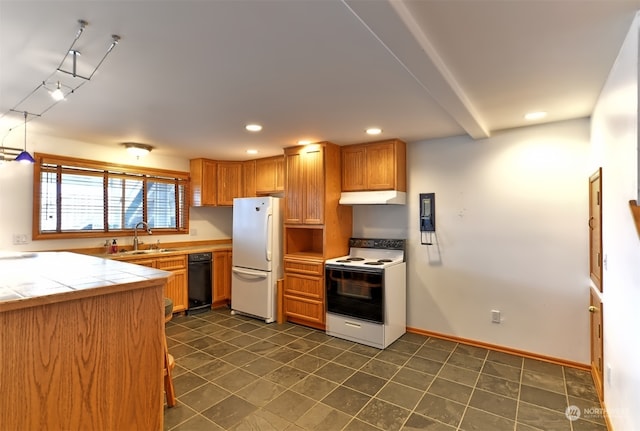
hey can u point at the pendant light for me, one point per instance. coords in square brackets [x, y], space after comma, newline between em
[24, 156]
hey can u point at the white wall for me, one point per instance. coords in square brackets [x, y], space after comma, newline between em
[615, 148]
[16, 189]
[511, 214]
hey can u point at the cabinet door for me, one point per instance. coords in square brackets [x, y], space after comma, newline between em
[279, 171]
[176, 290]
[294, 189]
[229, 182]
[265, 175]
[381, 167]
[249, 178]
[203, 182]
[313, 178]
[353, 168]
[221, 277]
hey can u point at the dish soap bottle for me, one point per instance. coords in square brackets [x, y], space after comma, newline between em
[114, 246]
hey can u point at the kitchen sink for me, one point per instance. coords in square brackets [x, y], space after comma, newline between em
[150, 251]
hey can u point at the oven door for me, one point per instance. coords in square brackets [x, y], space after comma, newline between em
[355, 292]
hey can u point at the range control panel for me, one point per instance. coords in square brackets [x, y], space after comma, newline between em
[387, 244]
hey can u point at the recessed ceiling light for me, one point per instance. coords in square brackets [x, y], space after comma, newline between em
[538, 115]
[373, 131]
[252, 151]
[253, 127]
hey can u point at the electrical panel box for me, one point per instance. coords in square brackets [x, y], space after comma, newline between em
[427, 212]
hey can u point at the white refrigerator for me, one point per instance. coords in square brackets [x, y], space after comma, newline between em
[257, 256]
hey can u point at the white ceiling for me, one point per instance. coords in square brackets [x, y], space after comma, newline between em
[188, 75]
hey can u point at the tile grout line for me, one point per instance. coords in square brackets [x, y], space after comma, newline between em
[473, 389]
[515, 419]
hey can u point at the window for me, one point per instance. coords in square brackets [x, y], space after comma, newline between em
[85, 198]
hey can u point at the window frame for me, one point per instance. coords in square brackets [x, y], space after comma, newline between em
[94, 168]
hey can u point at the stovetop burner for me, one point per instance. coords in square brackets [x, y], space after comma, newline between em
[370, 253]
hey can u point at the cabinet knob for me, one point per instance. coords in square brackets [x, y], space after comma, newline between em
[593, 309]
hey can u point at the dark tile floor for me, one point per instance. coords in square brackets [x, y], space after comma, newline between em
[238, 373]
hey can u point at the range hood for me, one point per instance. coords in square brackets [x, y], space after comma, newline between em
[383, 197]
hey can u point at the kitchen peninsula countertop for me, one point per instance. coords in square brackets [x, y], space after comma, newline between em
[38, 278]
[81, 344]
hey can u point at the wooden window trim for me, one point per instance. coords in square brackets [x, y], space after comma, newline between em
[71, 164]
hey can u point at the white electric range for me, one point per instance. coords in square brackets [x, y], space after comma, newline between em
[366, 292]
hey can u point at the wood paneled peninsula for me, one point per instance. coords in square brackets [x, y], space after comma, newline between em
[81, 343]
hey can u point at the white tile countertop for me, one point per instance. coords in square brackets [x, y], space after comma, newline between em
[37, 278]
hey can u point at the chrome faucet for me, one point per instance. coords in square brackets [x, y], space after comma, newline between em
[135, 233]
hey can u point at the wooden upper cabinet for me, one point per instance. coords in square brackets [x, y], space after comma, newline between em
[353, 168]
[305, 182]
[294, 188]
[313, 209]
[215, 182]
[249, 178]
[280, 175]
[270, 175]
[203, 182]
[229, 182]
[377, 165]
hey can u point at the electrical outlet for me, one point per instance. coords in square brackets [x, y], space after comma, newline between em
[20, 238]
[495, 316]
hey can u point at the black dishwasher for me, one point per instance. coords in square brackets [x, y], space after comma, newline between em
[199, 287]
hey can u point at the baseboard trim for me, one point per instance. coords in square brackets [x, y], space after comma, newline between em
[523, 353]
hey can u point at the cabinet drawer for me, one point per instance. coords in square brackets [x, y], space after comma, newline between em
[151, 263]
[304, 266]
[369, 333]
[304, 309]
[171, 262]
[304, 285]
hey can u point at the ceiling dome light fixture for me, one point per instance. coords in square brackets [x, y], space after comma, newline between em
[532, 116]
[137, 150]
[252, 151]
[373, 131]
[24, 156]
[253, 127]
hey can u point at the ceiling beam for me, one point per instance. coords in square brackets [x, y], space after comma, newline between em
[393, 25]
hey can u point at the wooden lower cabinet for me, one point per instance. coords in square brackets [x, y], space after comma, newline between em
[304, 291]
[221, 278]
[176, 288]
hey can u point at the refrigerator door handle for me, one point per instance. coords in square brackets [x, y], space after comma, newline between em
[256, 274]
[269, 230]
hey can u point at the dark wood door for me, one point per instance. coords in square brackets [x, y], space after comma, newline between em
[595, 228]
[595, 310]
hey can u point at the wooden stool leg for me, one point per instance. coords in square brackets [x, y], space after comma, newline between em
[169, 363]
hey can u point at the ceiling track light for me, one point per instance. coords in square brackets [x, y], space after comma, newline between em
[17, 154]
[24, 156]
[58, 93]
